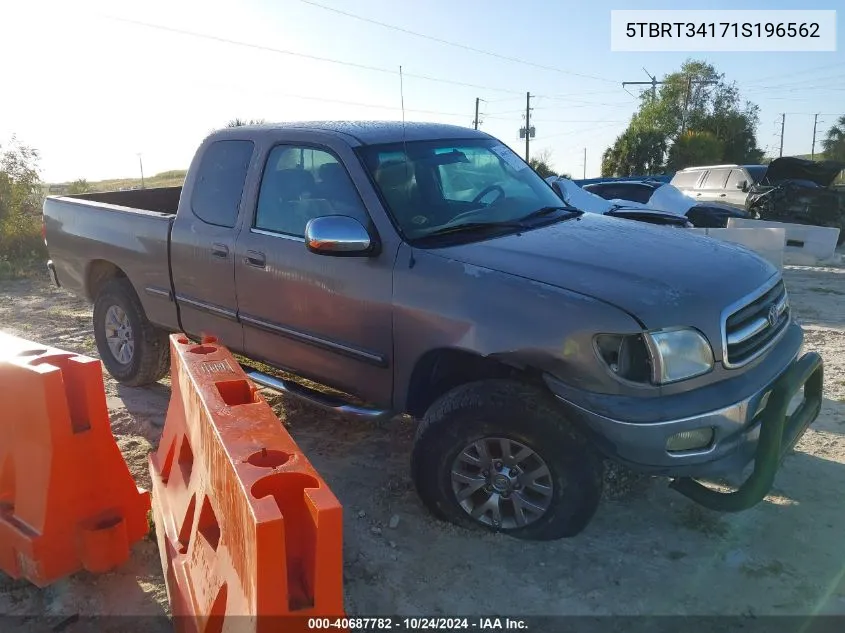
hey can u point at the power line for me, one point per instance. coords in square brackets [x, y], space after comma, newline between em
[795, 72]
[439, 40]
[568, 132]
[281, 51]
[330, 100]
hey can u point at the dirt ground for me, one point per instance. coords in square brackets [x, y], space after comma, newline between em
[648, 550]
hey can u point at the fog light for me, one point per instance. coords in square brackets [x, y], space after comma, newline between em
[690, 440]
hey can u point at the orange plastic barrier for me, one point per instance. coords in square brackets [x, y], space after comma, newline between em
[67, 499]
[245, 525]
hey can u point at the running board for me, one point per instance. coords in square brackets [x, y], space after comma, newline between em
[322, 400]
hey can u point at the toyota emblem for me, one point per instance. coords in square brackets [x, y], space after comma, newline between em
[772, 317]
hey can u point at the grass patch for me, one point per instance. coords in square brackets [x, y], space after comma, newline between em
[701, 520]
[25, 268]
[172, 178]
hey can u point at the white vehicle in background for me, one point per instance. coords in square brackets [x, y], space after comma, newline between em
[581, 199]
[659, 196]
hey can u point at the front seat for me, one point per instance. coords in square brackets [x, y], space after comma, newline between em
[397, 181]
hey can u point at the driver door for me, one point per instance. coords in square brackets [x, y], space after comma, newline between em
[323, 317]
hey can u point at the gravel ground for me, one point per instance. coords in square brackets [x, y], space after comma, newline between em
[648, 550]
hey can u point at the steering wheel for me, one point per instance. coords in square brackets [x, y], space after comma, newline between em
[487, 190]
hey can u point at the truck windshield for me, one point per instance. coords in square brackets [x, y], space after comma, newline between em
[431, 185]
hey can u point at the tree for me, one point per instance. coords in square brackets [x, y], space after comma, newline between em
[636, 151]
[241, 122]
[541, 163]
[834, 142]
[696, 98]
[20, 185]
[695, 148]
[20, 202]
[79, 186]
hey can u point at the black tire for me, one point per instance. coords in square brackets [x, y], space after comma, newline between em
[150, 360]
[520, 413]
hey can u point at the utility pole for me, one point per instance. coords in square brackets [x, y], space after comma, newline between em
[141, 163]
[813, 149]
[475, 120]
[527, 125]
[585, 163]
[653, 83]
[782, 124]
[527, 132]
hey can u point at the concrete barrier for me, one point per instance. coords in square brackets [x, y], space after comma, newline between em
[766, 242]
[805, 245]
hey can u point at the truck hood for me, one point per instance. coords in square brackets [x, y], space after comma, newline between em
[823, 173]
[649, 271]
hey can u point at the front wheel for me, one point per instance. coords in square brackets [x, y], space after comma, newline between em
[499, 455]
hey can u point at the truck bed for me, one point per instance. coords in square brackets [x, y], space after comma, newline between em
[91, 234]
[162, 199]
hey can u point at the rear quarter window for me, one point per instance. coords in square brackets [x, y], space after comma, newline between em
[686, 179]
[220, 182]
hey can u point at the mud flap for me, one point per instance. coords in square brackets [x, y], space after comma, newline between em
[779, 432]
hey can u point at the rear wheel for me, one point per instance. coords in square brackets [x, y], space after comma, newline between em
[498, 455]
[134, 351]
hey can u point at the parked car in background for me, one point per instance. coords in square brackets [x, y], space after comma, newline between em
[581, 198]
[700, 214]
[719, 183]
[800, 191]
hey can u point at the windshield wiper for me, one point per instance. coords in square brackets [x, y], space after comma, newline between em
[473, 227]
[544, 211]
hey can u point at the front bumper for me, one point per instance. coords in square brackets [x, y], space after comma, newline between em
[779, 432]
[758, 428]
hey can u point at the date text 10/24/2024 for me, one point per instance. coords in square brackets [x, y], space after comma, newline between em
[419, 624]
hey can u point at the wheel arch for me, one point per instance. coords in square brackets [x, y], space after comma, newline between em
[442, 369]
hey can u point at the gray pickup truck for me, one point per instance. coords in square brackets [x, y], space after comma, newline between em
[427, 269]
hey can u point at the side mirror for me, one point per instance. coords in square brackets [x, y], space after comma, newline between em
[337, 235]
[742, 185]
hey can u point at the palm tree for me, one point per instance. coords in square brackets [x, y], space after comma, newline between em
[834, 144]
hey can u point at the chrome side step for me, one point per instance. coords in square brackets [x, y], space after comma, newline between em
[322, 400]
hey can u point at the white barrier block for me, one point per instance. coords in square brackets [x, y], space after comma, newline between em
[768, 243]
[805, 245]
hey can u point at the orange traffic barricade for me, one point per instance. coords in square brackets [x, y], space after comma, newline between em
[250, 535]
[67, 499]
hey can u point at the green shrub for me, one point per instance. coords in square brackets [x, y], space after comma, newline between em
[21, 196]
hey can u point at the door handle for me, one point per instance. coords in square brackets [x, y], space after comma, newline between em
[698, 194]
[723, 195]
[220, 250]
[255, 259]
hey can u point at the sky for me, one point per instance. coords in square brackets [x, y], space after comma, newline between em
[93, 84]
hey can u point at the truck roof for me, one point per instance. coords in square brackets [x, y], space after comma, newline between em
[378, 132]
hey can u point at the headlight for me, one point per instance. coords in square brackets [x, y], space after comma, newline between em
[627, 356]
[679, 354]
[657, 357]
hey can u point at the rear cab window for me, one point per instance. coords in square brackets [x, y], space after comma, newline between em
[220, 182]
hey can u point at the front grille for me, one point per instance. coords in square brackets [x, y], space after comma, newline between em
[753, 327]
